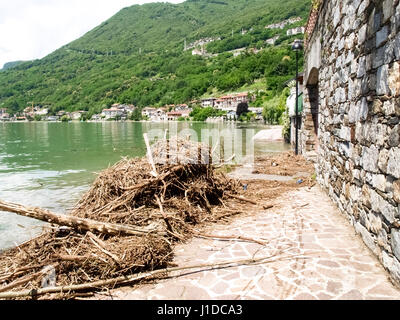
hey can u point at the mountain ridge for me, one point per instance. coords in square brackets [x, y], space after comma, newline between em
[137, 56]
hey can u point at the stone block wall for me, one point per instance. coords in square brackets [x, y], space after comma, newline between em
[358, 150]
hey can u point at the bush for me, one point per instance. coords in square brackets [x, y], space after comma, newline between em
[136, 115]
[65, 118]
[202, 114]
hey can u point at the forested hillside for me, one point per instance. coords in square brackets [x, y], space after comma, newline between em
[138, 57]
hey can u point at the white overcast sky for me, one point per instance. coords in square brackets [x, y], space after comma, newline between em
[31, 29]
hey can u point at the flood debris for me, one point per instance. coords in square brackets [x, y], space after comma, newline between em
[127, 223]
[125, 227]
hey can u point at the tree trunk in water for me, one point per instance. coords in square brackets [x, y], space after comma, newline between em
[75, 223]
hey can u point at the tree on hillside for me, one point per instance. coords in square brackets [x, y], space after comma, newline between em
[242, 108]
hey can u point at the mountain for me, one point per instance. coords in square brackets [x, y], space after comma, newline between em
[11, 64]
[137, 56]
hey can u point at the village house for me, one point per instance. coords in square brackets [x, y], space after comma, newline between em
[272, 41]
[181, 107]
[174, 115]
[282, 24]
[208, 102]
[159, 115]
[294, 31]
[126, 108]
[41, 111]
[4, 115]
[230, 102]
[148, 112]
[76, 115]
[113, 113]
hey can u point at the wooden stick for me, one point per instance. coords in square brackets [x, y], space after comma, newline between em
[124, 280]
[76, 223]
[150, 155]
[21, 281]
[233, 213]
[163, 214]
[152, 181]
[233, 238]
[241, 198]
[102, 246]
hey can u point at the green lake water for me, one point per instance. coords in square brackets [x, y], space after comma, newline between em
[51, 165]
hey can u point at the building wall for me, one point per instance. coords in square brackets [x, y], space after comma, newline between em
[352, 74]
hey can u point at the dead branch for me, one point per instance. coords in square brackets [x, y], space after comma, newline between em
[102, 246]
[241, 198]
[125, 280]
[232, 238]
[76, 223]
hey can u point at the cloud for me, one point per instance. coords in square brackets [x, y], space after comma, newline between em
[31, 29]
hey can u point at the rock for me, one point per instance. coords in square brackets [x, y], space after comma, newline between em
[393, 167]
[389, 108]
[379, 182]
[377, 106]
[374, 223]
[361, 67]
[382, 35]
[378, 57]
[367, 237]
[362, 34]
[370, 158]
[394, 79]
[395, 234]
[396, 191]
[387, 10]
[396, 48]
[382, 87]
[362, 112]
[394, 137]
[383, 160]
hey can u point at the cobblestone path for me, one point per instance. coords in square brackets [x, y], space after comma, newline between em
[315, 255]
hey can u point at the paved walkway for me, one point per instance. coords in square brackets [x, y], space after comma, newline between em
[315, 255]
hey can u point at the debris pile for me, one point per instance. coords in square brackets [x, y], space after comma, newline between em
[126, 223]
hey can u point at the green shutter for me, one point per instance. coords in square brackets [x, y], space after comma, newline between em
[300, 101]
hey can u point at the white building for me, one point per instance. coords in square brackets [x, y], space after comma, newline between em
[294, 31]
[77, 115]
[208, 102]
[112, 113]
[41, 112]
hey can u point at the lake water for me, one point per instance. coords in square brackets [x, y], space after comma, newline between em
[51, 165]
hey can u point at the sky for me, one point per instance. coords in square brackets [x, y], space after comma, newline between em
[31, 29]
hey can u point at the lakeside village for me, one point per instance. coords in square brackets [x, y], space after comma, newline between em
[223, 109]
[219, 109]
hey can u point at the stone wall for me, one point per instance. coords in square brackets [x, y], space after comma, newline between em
[357, 71]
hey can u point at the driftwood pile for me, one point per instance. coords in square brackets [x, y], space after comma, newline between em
[127, 223]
